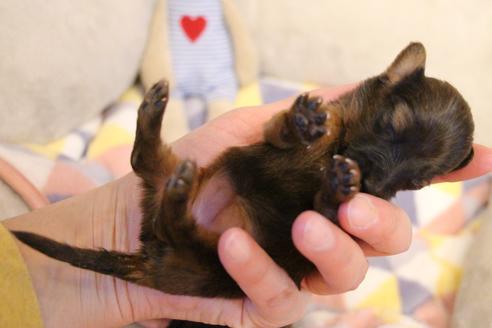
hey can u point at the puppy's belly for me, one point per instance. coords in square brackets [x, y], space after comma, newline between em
[217, 207]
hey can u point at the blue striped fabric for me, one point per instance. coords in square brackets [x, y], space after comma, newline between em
[203, 66]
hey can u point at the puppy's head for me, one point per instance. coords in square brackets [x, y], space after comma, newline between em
[405, 128]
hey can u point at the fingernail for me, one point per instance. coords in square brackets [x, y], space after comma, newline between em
[361, 213]
[237, 247]
[317, 234]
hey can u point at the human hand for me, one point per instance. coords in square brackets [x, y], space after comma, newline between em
[109, 217]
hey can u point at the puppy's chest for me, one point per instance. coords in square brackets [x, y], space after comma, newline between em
[263, 174]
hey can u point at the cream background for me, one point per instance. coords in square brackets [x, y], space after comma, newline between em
[342, 41]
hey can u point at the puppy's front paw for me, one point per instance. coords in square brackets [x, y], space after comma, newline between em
[308, 119]
[344, 178]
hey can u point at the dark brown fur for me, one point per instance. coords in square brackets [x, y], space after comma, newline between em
[400, 127]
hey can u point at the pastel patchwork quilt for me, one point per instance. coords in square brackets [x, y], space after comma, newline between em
[413, 289]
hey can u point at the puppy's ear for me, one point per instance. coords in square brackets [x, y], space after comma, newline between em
[409, 61]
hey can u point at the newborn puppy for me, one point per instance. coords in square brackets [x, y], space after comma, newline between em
[395, 131]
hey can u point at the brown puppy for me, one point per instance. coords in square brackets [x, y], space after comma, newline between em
[395, 131]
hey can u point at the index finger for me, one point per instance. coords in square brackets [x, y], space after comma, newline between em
[273, 298]
[481, 164]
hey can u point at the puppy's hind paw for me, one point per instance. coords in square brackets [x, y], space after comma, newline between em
[156, 98]
[180, 183]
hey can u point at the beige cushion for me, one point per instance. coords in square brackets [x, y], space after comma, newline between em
[62, 62]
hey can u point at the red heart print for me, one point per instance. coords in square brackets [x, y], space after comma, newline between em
[193, 26]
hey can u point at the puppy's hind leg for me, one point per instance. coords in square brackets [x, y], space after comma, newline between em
[190, 265]
[152, 160]
[176, 221]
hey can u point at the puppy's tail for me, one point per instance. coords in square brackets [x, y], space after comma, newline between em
[120, 265]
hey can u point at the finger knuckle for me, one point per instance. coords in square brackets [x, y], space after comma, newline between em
[397, 235]
[357, 278]
[286, 296]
